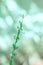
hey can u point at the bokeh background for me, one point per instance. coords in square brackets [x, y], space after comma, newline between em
[31, 40]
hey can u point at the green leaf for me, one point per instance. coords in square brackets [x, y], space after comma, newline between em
[14, 54]
[10, 61]
[16, 47]
[17, 37]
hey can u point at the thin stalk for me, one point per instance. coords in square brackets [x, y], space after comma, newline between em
[14, 44]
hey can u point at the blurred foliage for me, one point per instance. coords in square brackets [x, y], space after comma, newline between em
[25, 4]
[31, 41]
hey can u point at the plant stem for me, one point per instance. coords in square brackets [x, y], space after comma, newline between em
[14, 44]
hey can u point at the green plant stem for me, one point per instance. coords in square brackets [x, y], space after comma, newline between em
[14, 44]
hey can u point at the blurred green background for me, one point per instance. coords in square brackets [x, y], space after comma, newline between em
[31, 40]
